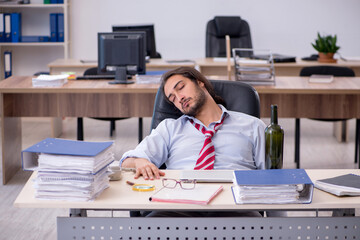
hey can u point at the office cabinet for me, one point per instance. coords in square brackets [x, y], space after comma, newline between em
[35, 21]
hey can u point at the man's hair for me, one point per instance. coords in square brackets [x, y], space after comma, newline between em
[194, 76]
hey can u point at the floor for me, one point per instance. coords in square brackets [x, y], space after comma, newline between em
[319, 149]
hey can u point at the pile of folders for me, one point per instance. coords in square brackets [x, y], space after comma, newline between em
[69, 170]
[11, 31]
[273, 186]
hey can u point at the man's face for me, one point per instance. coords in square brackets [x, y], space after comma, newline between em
[186, 95]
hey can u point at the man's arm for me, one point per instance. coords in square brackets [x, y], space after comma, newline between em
[143, 168]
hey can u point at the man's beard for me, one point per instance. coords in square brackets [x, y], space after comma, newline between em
[199, 101]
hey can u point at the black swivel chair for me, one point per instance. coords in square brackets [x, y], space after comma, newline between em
[238, 96]
[216, 30]
[325, 70]
[80, 124]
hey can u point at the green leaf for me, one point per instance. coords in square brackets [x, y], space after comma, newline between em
[325, 44]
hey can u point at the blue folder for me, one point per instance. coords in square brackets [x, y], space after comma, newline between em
[53, 27]
[61, 147]
[7, 27]
[274, 177]
[34, 38]
[2, 25]
[60, 27]
[7, 64]
[15, 27]
[271, 177]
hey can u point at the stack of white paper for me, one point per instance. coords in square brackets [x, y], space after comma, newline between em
[50, 80]
[267, 194]
[70, 186]
[69, 170]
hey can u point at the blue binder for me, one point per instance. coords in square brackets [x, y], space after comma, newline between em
[60, 29]
[2, 32]
[7, 27]
[34, 38]
[16, 27]
[53, 1]
[61, 147]
[60, 1]
[7, 64]
[274, 177]
[53, 27]
[271, 177]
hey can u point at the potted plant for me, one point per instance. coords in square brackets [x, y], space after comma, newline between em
[326, 46]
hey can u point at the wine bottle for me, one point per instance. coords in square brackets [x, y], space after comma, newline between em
[274, 146]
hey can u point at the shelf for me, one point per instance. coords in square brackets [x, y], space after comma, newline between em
[12, 5]
[11, 44]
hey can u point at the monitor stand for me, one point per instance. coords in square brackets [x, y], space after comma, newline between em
[121, 76]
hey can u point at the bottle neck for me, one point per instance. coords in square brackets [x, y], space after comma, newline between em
[274, 114]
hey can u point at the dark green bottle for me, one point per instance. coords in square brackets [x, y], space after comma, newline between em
[274, 146]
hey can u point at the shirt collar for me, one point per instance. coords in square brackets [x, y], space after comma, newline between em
[224, 113]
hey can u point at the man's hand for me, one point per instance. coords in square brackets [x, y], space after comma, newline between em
[143, 168]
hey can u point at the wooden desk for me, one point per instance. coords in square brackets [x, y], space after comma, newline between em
[119, 196]
[74, 65]
[296, 98]
[208, 66]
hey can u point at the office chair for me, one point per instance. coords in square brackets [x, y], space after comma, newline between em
[216, 30]
[80, 123]
[325, 70]
[238, 96]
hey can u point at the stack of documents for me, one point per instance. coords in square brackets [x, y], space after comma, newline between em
[344, 185]
[69, 170]
[49, 80]
[275, 186]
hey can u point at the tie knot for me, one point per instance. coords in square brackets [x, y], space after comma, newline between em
[209, 134]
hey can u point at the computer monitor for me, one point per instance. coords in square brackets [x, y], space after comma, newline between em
[121, 54]
[150, 36]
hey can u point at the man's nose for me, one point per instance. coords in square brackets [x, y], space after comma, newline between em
[180, 97]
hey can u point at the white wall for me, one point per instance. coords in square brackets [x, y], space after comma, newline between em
[284, 26]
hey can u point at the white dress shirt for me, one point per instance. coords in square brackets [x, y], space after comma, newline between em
[239, 143]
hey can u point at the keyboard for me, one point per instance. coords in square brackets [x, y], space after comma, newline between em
[95, 77]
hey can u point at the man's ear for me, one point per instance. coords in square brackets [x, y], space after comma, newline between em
[201, 84]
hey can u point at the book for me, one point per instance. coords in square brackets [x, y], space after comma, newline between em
[317, 78]
[272, 186]
[44, 80]
[344, 185]
[202, 194]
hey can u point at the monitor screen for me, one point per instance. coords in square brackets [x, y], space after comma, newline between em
[121, 54]
[150, 36]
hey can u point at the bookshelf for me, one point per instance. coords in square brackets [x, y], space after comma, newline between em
[38, 14]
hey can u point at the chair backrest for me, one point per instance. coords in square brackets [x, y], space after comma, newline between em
[327, 70]
[91, 71]
[238, 96]
[216, 30]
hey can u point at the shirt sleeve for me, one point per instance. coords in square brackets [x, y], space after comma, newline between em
[259, 145]
[154, 147]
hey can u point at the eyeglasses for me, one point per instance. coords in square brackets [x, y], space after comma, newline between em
[184, 184]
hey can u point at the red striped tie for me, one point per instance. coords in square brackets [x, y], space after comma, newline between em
[207, 154]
